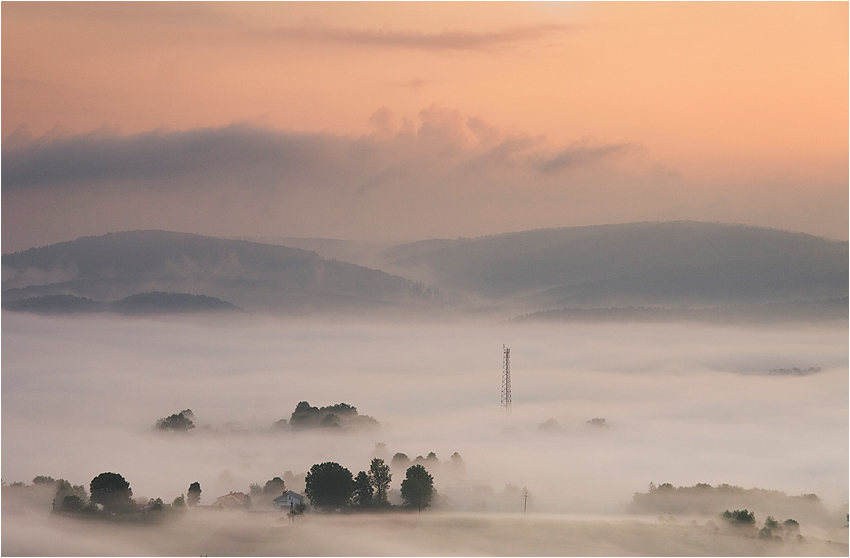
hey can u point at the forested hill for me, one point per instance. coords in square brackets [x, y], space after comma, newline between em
[665, 264]
[251, 275]
[652, 267]
[134, 305]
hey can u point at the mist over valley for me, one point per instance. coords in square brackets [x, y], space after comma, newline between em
[425, 279]
[683, 404]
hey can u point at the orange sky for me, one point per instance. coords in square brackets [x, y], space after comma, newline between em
[744, 106]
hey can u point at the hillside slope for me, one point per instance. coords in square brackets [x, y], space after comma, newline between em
[251, 275]
[670, 263]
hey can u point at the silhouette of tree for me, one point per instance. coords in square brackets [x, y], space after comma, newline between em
[417, 488]
[457, 466]
[193, 495]
[329, 485]
[400, 461]
[72, 503]
[274, 487]
[112, 491]
[740, 517]
[363, 490]
[181, 422]
[155, 504]
[380, 476]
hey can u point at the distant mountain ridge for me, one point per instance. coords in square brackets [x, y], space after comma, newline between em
[647, 271]
[251, 275]
[669, 264]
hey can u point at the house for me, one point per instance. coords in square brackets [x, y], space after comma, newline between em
[232, 501]
[288, 499]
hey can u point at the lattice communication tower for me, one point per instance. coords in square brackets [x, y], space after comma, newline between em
[506, 379]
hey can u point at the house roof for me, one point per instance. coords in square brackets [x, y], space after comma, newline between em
[232, 500]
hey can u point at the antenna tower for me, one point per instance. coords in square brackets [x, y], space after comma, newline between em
[506, 379]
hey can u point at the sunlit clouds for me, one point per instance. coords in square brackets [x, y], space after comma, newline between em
[408, 121]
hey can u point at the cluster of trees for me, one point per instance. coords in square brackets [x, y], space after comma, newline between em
[339, 416]
[331, 486]
[400, 463]
[772, 529]
[795, 371]
[706, 499]
[179, 422]
[109, 494]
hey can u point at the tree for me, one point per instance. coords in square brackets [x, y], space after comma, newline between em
[330, 420]
[274, 487]
[380, 476]
[72, 503]
[65, 488]
[179, 503]
[181, 422]
[112, 491]
[400, 462]
[304, 416]
[456, 464]
[417, 487]
[41, 479]
[329, 485]
[193, 496]
[739, 517]
[155, 504]
[297, 509]
[363, 490]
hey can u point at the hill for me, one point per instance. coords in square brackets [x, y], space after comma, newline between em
[666, 264]
[251, 275]
[138, 304]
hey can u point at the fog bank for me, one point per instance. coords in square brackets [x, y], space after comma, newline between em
[683, 404]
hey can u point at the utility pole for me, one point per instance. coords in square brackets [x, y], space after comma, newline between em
[506, 379]
[525, 499]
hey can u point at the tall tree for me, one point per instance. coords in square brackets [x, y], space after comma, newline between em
[112, 491]
[329, 485]
[363, 490]
[274, 487]
[380, 476]
[400, 462]
[417, 488]
[193, 495]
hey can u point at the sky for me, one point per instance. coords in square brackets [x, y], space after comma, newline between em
[404, 121]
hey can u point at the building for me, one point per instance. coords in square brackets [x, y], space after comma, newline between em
[288, 499]
[232, 501]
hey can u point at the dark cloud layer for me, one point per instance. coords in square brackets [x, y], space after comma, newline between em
[446, 175]
[150, 157]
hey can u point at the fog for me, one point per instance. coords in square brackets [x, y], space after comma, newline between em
[683, 404]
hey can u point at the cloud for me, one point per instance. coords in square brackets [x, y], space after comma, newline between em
[444, 173]
[446, 140]
[413, 39]
[580, 155]
[153, 156]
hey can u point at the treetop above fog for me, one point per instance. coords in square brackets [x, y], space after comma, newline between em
[339, 416]
[180, 422]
